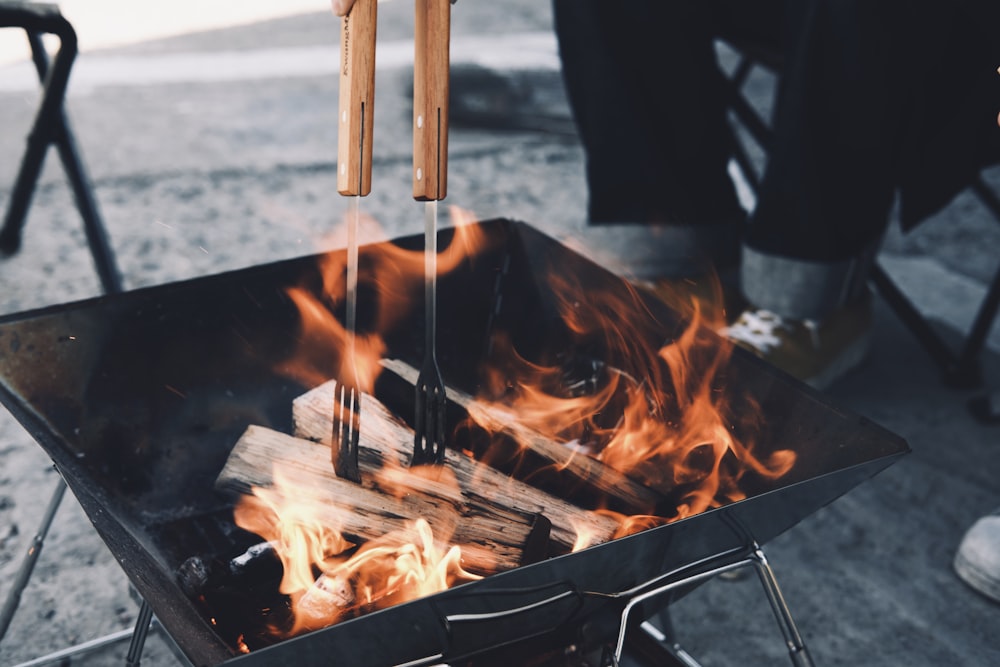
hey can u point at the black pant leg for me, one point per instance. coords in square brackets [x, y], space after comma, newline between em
[839, 123]
[647, 97]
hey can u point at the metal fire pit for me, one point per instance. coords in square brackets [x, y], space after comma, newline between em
[138, 398]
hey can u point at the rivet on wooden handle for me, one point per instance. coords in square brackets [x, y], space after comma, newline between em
[356, 112]
[430, 99]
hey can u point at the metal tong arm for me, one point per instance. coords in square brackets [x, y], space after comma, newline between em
[431, 80]
[430, 288]
[430, 174]
[355, 115]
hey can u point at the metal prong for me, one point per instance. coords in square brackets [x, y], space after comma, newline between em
[429, 426]
[347, 407]
[431, 400]
[346, 432]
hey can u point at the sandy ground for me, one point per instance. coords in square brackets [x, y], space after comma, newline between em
[196, 178]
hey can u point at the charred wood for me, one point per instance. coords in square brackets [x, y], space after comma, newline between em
[258, 564]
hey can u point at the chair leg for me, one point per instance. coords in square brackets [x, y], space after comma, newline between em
[97, 237]
[925, 334]
[24, 187]
[968, 366]
[142, 626]
[51, 126]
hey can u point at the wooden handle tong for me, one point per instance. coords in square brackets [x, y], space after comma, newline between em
[356, 114]
[430, 169]
[430, 185]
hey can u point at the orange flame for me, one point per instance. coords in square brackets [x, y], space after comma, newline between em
[659, 413]
[399, 566]
[390, 280]
[656, 412]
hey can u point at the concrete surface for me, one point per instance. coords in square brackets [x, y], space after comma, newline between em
[216, 150]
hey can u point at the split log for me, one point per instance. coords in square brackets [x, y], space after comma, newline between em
[493, 537]
[481, 486]
[596, 475]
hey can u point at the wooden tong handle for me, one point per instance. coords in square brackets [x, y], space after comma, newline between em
[357, 99]
[430, 99]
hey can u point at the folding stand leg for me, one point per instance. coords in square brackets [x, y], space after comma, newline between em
[66, 655]
[30, 558]
[658, 647]
[142, 625]
[34, 154]
[793, 640]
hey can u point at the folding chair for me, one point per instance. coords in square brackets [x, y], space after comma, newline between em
[52, 127]
[962, 367]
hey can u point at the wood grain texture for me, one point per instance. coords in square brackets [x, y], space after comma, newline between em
[492, 536]
[431, 82]
[480, 484]
[356, 112]
[594, 473]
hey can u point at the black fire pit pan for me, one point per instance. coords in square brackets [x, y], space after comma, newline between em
[138, 398]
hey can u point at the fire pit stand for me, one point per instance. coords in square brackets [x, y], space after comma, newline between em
[659, 648]
[651, 646]
[140, 397]
[797, 650]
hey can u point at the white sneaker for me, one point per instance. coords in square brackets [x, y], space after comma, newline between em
[977, 561]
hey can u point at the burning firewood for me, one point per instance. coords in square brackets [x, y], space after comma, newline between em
[604, 480]
[480, 485]
[493, 536]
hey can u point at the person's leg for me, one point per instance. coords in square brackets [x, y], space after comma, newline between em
[647, 97]
[645, 91]
[829, 184]
[841, 122]
[827, 189]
